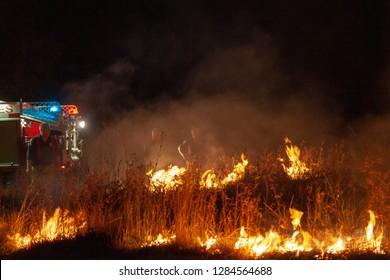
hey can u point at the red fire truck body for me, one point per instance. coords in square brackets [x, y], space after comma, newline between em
[20, 121]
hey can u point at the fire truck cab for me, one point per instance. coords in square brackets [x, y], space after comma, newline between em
[19, 123]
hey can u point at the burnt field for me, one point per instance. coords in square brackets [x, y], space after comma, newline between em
[295, 203]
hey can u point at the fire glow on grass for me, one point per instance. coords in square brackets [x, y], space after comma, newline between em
[61, 225]
[297, 169]
[169, 179]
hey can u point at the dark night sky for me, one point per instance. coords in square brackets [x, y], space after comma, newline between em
[340, 48]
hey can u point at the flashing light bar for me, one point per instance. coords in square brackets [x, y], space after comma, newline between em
[70, 109]
[54, 109]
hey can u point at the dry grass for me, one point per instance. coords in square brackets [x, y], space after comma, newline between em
[343, 185]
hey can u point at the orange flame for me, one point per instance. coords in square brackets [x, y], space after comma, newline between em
[208, 243]
[165, 180]
[209, 178]
[170, 178]
[297, 169]
[296, 217]
[374, 243]
[336, 248]
[60, 226]
[159, 240]
[299, 241]
[237, 173]
[272, 241]
[258, 245]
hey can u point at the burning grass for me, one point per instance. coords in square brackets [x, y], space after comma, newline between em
[335, 206]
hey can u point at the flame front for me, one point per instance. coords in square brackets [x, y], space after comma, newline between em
[170, 178]
[59, 226]
[300, 241]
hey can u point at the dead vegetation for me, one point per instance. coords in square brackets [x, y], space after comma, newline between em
[345, 182]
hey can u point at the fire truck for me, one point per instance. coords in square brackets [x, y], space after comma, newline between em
[19, 123]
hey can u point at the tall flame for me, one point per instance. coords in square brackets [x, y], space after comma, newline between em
[296, 216]
[374, 243]
[297, 169]
[370, 226]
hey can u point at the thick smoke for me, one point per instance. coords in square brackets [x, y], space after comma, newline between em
[233, 96]
[247, 74]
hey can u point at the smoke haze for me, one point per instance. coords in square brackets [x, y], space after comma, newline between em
[234, 96]
[249, 72]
